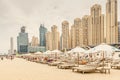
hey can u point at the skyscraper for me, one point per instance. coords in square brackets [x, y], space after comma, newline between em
[22, 41]
[65, 36]
[111, 22]
[34, 46]
[49, 40]
[42, 31]
[97, 25]
[119, 32]
[78, 32]
[72, 34]
[11, 46]
[55, 38]
[85, 25]
[34, 41]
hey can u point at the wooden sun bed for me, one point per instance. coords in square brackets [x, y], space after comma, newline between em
[55, 63]
[116, 66]
[66, 66]
[90, 68]
[84, 69]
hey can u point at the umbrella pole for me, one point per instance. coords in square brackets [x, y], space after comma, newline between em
[103, 59]
[78, 58]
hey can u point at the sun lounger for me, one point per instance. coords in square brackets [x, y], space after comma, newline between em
[84, 69]
[117, 66]
[66, 66]
[104, 69]
[91, 67]
[54, 63]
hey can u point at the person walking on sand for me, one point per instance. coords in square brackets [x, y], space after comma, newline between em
[1, 58]
[11, 57]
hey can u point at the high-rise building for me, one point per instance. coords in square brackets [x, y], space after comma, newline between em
[55, 38]
[119, 32]
[72, 34]
[11, 46]
[78, 32]
[97, 25]
[111, 22]
[42, 31]
[34, 41]
[65, 36]
[85, 25]
[22, 41]
[34, 46]
[49, 40]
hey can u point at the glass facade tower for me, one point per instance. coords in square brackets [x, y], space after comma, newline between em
[42, 33]
[22, 41]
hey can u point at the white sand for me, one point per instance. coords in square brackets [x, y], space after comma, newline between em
[19, 69]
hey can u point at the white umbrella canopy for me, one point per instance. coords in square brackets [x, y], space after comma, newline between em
[92, 50]
[78, 50]
[28, 54]
[56, 51]
[38, 53]
[107, 49]
[48, 52]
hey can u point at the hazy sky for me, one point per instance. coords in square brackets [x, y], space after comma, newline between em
[31, 13]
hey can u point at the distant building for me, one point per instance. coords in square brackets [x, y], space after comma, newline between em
[78, 32]
[34, 41]
[72, 34]
[85, 26]
[34, 46]
[53, 39]
[96, 28]
[65, 36]
[112, 22]
[49, 40]
[42, 31]
[22, 41]
[11, 46]
[119, 32]
[33, 49]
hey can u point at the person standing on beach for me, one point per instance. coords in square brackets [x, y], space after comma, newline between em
[1, 58]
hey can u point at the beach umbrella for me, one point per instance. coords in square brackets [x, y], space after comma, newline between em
[77, 52]
[56, 51]
[78, 49]
[107, 49]
[38, 53]
[48, 52]
[28, 54]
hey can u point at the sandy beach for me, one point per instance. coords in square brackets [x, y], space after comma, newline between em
[20, 69]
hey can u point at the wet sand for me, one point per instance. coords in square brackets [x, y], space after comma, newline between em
[19, 69]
